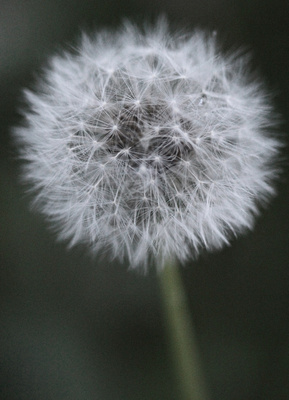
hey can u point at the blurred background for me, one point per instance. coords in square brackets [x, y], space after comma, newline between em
[76, 328]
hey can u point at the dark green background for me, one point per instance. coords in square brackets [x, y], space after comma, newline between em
[73, 328]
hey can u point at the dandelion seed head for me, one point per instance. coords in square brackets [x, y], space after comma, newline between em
[148, 144]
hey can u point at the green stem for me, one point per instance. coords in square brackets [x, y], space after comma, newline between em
[181, 335]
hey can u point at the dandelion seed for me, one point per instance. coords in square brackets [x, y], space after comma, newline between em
[149, 144]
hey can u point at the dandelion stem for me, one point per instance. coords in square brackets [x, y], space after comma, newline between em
[181, 335]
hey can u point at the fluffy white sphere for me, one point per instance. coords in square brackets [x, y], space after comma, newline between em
[149, 144]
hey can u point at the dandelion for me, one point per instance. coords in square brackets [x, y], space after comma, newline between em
[149, 144]
[153, 146]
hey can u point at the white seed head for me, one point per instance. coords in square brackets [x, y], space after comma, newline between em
[149, 144]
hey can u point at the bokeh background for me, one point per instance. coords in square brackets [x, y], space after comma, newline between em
[75, 328]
